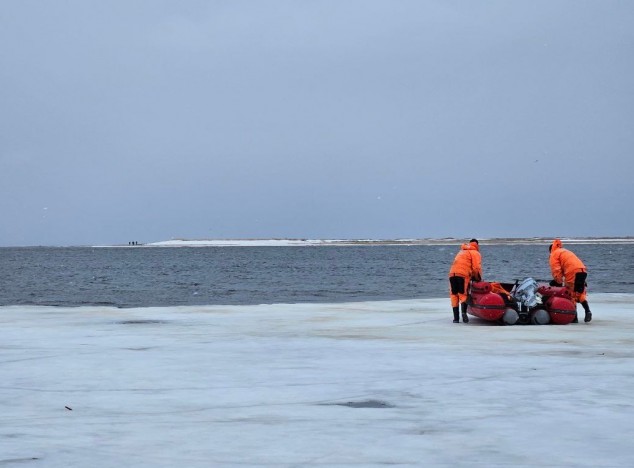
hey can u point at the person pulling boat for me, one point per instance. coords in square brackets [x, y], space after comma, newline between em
[467, 266]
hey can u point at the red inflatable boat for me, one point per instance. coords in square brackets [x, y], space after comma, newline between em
[520, 303]
[558, 303]
[485, 303]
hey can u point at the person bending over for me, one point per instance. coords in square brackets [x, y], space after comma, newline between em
[466, 266]
[568, 270]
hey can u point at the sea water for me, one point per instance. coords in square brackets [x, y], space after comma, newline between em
[143, 277]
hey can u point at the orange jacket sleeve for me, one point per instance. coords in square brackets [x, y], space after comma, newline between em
[476, 265]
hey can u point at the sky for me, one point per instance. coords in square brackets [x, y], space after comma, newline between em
[151, 120]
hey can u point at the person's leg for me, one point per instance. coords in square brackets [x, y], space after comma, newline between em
[586, 308]
[456, 290]
[462, 296]
[569, 283]
[580, 294]
[465, 317]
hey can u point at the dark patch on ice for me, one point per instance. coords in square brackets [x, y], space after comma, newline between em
[17, 460]
[142, 322]
[365, 404]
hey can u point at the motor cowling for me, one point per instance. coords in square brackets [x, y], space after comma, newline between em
[525, 292]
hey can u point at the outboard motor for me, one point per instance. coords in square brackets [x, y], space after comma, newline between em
[525, 293]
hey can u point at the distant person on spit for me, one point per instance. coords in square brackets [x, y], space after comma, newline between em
[570, 272]
[466, 266]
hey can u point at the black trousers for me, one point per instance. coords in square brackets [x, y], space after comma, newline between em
[457, 284]
[580, 281]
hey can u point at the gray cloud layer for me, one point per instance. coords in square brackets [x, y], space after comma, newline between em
[335, 119]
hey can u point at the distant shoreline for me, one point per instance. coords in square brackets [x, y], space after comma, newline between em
[282, 242]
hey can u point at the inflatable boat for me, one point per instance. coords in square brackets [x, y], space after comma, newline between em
[525, 302]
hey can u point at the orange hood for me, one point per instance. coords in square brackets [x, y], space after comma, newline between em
[470, 246]
[555, 245]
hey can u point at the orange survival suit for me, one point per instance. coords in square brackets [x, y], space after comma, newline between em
[466, 266]
[568, 270]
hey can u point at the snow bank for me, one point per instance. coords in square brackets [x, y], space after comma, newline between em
[344, 242]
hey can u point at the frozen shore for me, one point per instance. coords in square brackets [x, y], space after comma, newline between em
[355, 384]
[358, 242]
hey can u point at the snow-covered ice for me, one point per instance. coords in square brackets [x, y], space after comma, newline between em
[359, 242]
[355, 384]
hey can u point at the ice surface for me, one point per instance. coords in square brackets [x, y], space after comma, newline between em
[357, 384]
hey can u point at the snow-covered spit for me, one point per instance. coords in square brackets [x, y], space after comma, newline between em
[354, 384]
[344, 242]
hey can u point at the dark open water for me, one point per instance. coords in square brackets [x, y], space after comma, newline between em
[141, 277]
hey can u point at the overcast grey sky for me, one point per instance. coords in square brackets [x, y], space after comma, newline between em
[148, 120]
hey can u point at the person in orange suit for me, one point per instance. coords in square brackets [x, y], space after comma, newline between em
[568, 270]
[466, 266]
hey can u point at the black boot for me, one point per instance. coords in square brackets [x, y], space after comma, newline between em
[586, 307]
[576, 319]
[455, 315]
[465, 318]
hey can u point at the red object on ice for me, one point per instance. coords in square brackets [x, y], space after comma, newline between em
[558, 291]
[558, 304]
[486, 304]
[492, 306]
